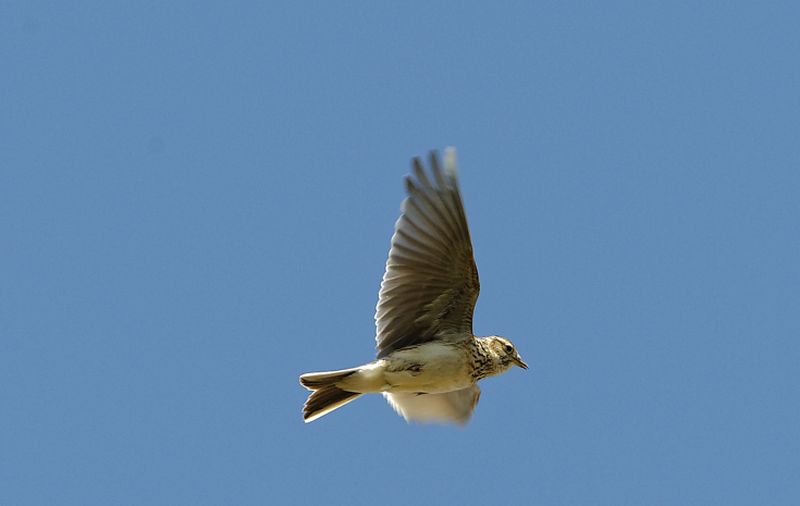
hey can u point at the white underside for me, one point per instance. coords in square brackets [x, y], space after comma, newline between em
[427, 383]
[441, 368]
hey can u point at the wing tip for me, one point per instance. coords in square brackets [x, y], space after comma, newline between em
[450, 165]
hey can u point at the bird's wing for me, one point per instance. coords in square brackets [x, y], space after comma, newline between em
[431, 283]
[452, 407]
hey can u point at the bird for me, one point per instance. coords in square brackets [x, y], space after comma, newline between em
[428, 360]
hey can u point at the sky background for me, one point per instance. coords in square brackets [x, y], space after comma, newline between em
[196, 202]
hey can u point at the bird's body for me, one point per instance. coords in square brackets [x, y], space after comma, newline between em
[428, 361]
[431, 368]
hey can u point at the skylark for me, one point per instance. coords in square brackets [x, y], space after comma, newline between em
[428, 362]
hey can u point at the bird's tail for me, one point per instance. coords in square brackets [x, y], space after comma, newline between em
[325, 395]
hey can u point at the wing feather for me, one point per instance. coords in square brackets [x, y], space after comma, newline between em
[431, 282]
[450, 407]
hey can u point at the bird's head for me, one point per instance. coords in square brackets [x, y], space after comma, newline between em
[505, 352]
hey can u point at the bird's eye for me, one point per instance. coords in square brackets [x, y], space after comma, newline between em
[509, 348]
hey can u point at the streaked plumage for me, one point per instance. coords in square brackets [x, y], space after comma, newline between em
[428, 361]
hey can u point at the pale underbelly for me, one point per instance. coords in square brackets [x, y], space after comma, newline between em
[429, 384]
[430, 368]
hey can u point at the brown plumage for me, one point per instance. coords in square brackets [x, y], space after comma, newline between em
[428, 361]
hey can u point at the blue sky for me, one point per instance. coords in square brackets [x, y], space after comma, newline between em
[196, 202]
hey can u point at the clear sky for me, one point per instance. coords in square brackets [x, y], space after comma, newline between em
[196, 202]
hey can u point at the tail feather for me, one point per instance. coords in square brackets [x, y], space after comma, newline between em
[316, 380]
[326, 396]
[326, 399]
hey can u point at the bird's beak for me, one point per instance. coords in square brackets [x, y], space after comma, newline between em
[518, 360]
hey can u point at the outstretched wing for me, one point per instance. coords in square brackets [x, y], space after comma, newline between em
[431, 282]
[452, 407]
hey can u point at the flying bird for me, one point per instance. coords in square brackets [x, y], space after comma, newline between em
[429, 362]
